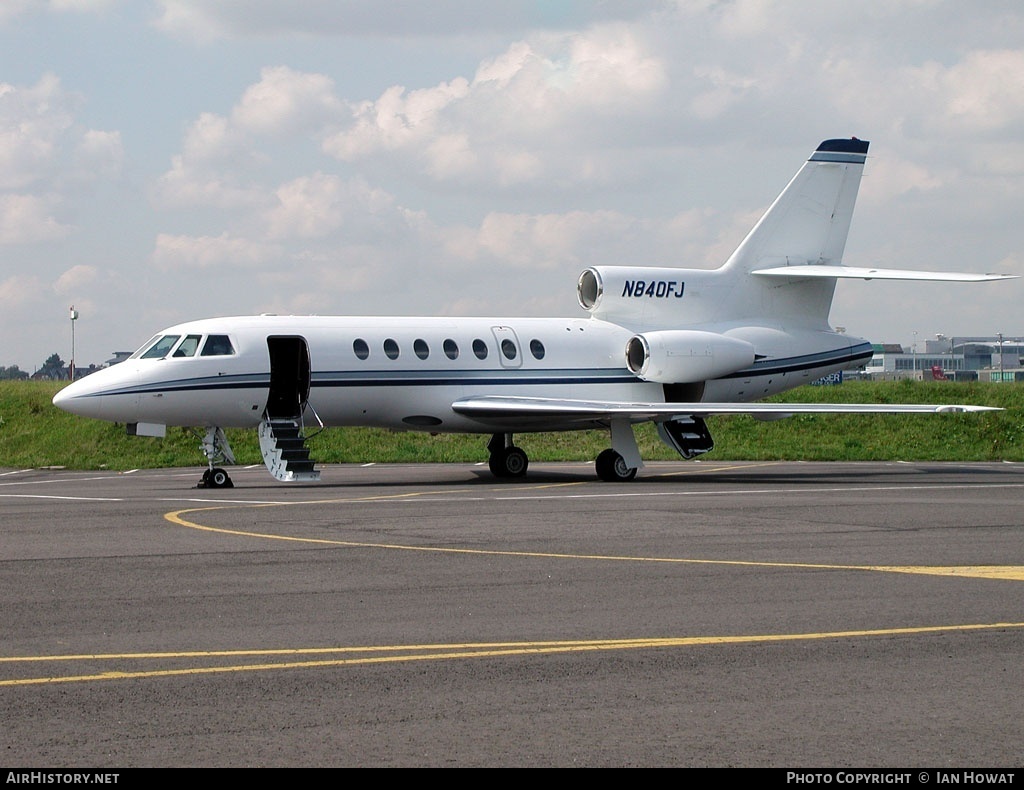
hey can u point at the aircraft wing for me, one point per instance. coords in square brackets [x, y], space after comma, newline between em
[504, 408]
[863, 273]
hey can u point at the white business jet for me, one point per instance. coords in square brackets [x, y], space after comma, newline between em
[672, 346]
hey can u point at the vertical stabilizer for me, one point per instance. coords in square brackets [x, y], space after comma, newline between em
[810, 220]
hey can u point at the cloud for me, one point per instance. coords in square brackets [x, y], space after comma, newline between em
[20, 294]
[75, 279]
[286, 102]
[209, 20]
[27, 219]
[206, 252]
[11, 9]
[34, 123]
[512, 122]
[46, 157]
[982, 93]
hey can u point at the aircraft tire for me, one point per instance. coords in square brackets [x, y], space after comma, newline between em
[509, 462]
[218, 478]
[611, 467]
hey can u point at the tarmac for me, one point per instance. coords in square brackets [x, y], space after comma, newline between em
[706, 614]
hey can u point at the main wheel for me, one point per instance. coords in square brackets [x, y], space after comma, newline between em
[508, 462]
[611, 467]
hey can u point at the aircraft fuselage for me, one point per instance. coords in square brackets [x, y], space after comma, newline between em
[404, 373]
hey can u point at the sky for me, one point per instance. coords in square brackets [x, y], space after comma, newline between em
[167, 160]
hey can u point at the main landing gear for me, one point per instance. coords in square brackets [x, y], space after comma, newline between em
[217, 450]
[507, 460]
[611, 467]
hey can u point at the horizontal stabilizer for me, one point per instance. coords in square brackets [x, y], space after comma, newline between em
[502, 407]
[862, 273]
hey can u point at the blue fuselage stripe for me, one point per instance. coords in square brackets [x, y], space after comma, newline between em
[488, 378]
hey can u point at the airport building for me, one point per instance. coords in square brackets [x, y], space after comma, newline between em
[993, 358]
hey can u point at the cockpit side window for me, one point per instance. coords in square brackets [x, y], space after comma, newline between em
[217, 346]
[161, 348]
[188, 346]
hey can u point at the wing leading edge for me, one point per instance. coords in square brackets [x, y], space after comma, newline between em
[864, 273]
[501, 409]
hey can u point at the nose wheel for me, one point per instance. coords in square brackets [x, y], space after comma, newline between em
[217, 450]
[215, 478]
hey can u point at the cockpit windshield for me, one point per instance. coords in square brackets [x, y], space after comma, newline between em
[161, 348]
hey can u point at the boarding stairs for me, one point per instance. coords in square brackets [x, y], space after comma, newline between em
[283, 444]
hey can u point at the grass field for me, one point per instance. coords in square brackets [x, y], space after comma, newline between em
[34, 433]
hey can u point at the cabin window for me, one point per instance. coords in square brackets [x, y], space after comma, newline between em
[508, 348]
[360, 348]
[480, 349]
[391, 348]
[451, 349]
[537, 349]
[421, 348]
[217, 346]
[161, 347]
[188, 346]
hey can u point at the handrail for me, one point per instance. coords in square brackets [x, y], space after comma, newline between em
[308, 405]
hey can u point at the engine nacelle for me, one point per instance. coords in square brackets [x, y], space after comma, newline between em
[633, 294]
[686, 356]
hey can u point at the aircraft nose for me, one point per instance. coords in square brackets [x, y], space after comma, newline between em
[78, 398]
[108, 394]
[85, 397]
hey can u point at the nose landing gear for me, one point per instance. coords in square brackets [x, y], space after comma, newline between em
[217, 450]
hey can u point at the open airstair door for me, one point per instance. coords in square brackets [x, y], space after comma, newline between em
[289, 377]
[282, 441]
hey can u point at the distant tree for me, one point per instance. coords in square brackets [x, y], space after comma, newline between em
[13, 372]
[54, 368]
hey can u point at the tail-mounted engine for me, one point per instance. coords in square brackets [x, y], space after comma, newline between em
[685, 356]
[634, 295]
[641, 297]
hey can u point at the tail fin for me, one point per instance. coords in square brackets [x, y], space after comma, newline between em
[809, 222]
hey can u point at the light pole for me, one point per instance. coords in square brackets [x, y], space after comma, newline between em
[915, 354]
[1000, 336]
[74, 317]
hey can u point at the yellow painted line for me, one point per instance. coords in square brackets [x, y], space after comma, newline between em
[1001, 572]
[1011, 572]
[407, 653]
[997, 572]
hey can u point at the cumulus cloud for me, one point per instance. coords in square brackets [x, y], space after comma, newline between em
[34, 123]
[207, 252]
[313, 207]
[45, 156]
[511, 122]
[75, 279]
[222, 156]
[26, 219]
[21, 293]
[982, 93]
[459, 141]
[286, 101]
